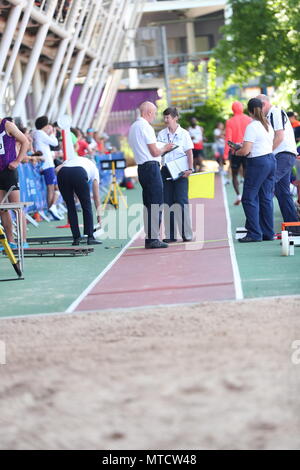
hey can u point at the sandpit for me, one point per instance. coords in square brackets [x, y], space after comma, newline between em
[216, 375]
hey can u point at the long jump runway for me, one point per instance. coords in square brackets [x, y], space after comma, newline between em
[183, 273]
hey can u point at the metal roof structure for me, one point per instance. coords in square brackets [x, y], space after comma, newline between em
[49, 46]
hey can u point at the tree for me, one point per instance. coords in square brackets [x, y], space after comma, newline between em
[261, 39]
[216, 107]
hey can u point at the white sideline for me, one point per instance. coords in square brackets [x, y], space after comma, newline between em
[32, 316]
[239, 295]
[76, 302]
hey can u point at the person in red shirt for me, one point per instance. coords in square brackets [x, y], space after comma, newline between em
[234, 132]
[83, 149]
[292, 117]
[100, 143]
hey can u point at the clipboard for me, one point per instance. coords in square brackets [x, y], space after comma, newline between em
[161, 145]
[178, 166]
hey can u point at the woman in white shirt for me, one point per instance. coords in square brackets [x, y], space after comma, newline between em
[259, 181]
[176, 208]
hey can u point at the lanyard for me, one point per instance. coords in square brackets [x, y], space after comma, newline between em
[169, 140]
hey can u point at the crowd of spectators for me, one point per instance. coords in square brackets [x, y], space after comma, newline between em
[44, 151]
[45, 148]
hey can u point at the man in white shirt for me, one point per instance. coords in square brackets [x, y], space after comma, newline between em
[285, 151]
[73, 177]
[43, 137]
[143, 142]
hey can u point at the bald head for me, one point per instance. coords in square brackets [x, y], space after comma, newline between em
[265, 102]
[263, 98]
[148, 111]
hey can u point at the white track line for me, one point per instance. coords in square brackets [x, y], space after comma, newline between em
[76, 302]
[236, 272]
[33, 316]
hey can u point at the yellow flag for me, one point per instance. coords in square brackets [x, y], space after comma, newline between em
[202, 185]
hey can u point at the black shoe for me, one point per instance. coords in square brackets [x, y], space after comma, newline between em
[267, 239]
[93, 241]
[187, 239]
[170, 240]
[76, 242]
[248, 239]
[156, 244]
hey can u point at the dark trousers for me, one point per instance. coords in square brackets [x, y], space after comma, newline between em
[257, 196]
[176, 192]
[151, 182]
[75, 180]
[285, 163]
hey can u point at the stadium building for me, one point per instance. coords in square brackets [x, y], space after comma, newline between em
[64, 56]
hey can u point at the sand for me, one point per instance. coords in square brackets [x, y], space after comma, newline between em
[216, 375]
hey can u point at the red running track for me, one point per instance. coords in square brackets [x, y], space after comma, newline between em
[182, 273]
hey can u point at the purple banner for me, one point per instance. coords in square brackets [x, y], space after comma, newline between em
[125, 99]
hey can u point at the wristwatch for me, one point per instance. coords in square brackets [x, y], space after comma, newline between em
[191, 169]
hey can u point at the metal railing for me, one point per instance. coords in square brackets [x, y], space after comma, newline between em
[62, 10]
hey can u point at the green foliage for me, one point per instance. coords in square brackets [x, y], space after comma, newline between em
[161, 105]
[262, 39]
[196, 78]
[126, 149]
[216, 108]
[207, 116]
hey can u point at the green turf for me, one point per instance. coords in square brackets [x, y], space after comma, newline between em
[264, 272]
[51, 284]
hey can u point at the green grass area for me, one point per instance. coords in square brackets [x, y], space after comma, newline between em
[51, 284]
[264, 272]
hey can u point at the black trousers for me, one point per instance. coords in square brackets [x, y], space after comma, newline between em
[75, 180]
[176, 196]
[151, 182]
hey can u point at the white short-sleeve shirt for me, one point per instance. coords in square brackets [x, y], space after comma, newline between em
[288, 144]
[88, 165]
[196, 133]
[261, 139]
[141, 133]
[42, 142]
[181, 137]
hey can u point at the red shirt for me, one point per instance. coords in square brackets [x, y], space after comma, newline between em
[83, 148]
[235, 130]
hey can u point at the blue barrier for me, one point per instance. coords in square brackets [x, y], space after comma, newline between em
[33, 188]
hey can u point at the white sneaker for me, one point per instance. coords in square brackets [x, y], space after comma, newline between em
[62, 208]
[54, 212]
[293, 190]
[238, 200]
